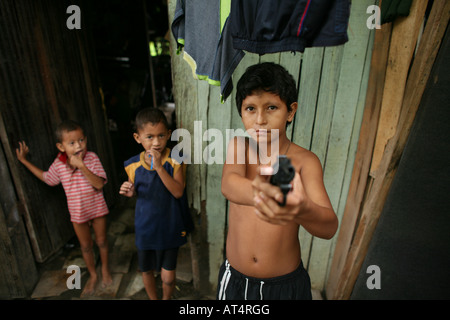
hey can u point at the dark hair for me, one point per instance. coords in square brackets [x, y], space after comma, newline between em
[150, 115]
[268, 77]
[67, 126]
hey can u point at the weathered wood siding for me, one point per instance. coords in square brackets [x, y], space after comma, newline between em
[18, 272]
[332, 88]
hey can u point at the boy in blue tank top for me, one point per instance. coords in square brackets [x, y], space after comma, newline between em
[162, 218]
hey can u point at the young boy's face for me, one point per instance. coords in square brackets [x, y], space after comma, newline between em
[264, 111]
[153, 136]
[73, 143]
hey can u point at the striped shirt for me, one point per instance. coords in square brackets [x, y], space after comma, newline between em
[83, 200]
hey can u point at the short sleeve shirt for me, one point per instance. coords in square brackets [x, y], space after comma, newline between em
[83, 200]
[161, 220]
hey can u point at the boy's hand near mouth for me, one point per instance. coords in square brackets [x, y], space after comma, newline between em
[76, 160]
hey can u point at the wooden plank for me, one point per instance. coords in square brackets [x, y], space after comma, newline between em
[403, 44]
[51, 283]
[270, 57]
[192, 101]
[292, 62]
[19, 273]
[346, 101]
[354, 141]
[351, 69]
[34, 238]
[311, 70]
[202, 115]
[184, 90]
[248, 60]
[417, 80]
[20, 88]
[307, 98]
[11, 284]
[219, 117]
[364, 154]
[326, 101]
[46, 72]
[316, 263]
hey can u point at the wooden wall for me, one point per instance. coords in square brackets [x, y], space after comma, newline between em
[47, 74]
[416, 39]
[332, 90]
[410, 244]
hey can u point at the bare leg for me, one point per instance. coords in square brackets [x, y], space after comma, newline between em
[168, 283]
[99, 226]
[150, 285]
[83, 232]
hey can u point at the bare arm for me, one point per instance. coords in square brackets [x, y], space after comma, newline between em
[21, 153]
[235, 186]
[316, 213]
[174, 184]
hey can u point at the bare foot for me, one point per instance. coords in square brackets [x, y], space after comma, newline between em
[106, 278]
[90, 286]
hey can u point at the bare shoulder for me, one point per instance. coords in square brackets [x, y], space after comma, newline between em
[302, 158]
[308, 165]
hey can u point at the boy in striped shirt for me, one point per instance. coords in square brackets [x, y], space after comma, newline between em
[82, 176]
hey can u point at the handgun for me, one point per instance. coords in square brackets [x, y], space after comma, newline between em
[283, 176]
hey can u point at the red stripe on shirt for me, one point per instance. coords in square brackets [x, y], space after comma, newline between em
[303, 18]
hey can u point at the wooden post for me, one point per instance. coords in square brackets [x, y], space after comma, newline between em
[405, 32]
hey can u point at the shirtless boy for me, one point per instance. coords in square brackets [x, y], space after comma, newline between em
[263, 249]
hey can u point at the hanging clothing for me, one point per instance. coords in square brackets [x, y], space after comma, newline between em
[201, 28]
[269, 26]
[391, 9]
[213, 34]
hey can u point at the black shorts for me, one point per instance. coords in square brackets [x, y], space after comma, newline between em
[157, 259]
[233, 285]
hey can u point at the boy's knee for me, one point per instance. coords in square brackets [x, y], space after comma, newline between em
[168, 279]
[168, 282]
[102, 243]
[87, 247]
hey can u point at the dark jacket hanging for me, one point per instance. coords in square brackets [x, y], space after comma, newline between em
[269, 26]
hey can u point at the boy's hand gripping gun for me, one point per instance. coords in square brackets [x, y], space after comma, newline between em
[283, 176]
